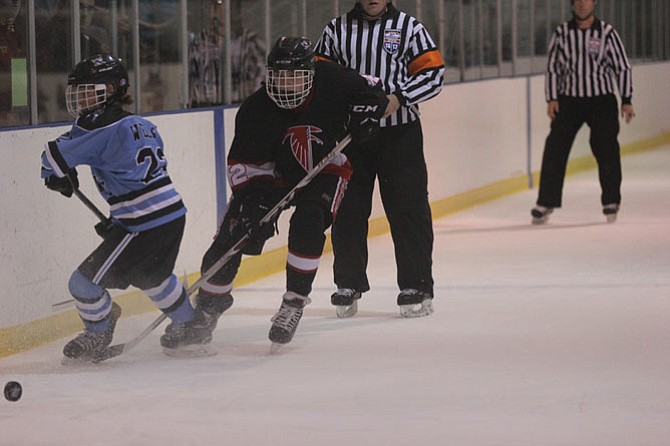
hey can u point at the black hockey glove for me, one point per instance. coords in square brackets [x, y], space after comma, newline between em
[63, 184]
[364, 114]
[104, 228]
[254, 207]
[245, 212]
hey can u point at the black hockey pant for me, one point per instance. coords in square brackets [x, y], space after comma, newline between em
[600, 113]
[315, 206]
[396, 159]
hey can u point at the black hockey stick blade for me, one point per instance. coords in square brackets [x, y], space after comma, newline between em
[118, 349]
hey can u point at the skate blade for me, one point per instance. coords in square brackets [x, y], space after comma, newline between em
[275, 347]
[190, 351]
[540, 220]
[425, 308]
[73, 362]
[344, 311]
[611, 218]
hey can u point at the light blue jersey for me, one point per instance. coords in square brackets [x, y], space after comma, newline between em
[128, 165]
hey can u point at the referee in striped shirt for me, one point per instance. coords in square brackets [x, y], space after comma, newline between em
[585, 55]
[377, 39]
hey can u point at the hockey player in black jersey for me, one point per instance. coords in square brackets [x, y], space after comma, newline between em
[142, 236]
[281, 132]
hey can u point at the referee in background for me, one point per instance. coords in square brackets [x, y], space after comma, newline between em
[377, 39]
[584, 54]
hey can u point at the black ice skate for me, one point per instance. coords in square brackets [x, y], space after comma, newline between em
[414, 303]
[285, 321]
[345, 301]
[541, 214]
[611, 211]
[88, 344]
[208, 310]
[188, 339]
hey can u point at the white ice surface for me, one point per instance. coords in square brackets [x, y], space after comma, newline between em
[542, 336]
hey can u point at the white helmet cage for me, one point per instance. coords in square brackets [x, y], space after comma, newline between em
[290, 74]
[83, 98]
[289, 88]
[87, 88]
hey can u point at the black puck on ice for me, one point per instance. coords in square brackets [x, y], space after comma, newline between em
[13, 391]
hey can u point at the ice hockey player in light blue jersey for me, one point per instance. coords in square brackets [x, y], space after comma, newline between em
[142, 236]
[128, 165]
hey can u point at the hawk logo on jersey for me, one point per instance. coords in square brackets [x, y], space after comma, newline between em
[392, 39]
[301, 137]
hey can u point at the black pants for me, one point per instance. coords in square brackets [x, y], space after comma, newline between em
[314, 205]
[142, 259]
[600, 113]
[396, 158]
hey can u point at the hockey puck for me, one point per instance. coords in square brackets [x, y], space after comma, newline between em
[13, 391]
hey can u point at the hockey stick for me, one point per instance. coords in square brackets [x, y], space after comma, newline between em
[84, 199]
[93, 208]
[89, 204]
[118, 349]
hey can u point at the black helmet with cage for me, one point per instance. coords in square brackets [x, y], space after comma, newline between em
[87, 84]
[290, 71]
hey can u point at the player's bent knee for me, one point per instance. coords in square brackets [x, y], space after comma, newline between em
[82, 288]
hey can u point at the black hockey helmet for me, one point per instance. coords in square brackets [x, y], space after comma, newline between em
[290, 71]
[292, 53]
[93, 74]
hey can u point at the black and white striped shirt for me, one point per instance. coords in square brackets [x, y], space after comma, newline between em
[583, 62]
[395, 48]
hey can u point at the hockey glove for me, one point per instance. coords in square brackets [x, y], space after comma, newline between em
[246, 210]
[64, 185]
[364, 115]
[104, 228]
[252, 210]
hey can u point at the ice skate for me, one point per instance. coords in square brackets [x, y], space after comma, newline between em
[208, 310]
[88, 344]
[285, 321]
[345, 301]
[187, 339]
[192, 338]
[541, 214]
[414, 303]
[611, 211]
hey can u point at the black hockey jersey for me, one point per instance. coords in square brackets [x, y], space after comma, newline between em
[274, 143]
